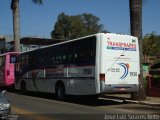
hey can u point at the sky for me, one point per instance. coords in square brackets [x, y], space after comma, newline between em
[39, 20]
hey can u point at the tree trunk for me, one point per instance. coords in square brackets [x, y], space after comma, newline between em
[136, 30]
[16, 24]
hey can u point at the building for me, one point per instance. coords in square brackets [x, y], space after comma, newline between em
[26, 43]
[2, 44]
[30, 43]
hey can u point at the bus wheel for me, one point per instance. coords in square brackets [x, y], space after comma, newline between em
[60, 92]
[23, 87]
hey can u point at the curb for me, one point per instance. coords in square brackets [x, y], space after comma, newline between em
[142, 102]
[125, 100]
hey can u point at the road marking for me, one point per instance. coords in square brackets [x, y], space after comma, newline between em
[35, 116]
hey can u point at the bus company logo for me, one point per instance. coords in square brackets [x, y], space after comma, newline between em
[126, 68]
[121, 46]
[133, 41]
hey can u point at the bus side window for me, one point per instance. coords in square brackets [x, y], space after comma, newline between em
[17, 67]
[12, 58]
[50, 56]
[60, 55]
[20, 62]
[33, 61]
[71, 53]
[53, 55]
[1, 61]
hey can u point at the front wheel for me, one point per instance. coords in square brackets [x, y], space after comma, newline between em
[60, 92]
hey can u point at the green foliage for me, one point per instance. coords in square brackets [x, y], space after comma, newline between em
[70, 27]
[151, 43]
[145, 82]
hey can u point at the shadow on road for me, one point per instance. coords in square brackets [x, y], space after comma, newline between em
[82, 100]
[95, 103]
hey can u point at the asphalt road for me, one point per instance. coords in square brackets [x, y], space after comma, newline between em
[38, 106]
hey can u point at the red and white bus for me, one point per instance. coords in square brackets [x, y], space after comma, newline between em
[91, 65]
[7, 61]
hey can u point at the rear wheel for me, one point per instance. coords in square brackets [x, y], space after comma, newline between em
[60, 92]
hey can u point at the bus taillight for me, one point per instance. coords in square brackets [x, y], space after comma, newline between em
[102, 77]
[8, 73]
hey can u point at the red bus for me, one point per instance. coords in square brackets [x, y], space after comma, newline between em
[7, 61]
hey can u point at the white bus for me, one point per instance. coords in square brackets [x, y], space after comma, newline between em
[91, 65]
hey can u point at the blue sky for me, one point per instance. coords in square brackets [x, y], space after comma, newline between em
[36, 20]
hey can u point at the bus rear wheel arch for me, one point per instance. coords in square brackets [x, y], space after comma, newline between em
[60, 91]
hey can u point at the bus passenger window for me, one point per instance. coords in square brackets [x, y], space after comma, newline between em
[12, 59]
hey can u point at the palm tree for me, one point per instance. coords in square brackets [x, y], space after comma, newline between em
[136, 30]
[16, 23]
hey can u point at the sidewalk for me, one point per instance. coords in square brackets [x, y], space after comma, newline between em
[153, 101]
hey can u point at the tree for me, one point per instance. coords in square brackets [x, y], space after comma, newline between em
[151, 43]
[91, 23]
[16, 23]
[70, 27]
[136, 30]
[62, 27]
